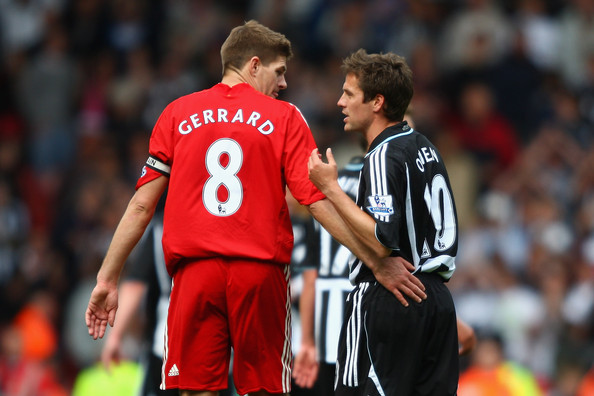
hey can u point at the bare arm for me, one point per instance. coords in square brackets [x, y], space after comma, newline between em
[325, 177]
[355, 229]
[130, 295]
[466, 337]
[103, 303]
[394, 273]
[306, 364]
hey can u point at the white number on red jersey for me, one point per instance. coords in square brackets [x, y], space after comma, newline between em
[223, 176]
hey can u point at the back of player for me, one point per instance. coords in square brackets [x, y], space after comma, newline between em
[227, 138]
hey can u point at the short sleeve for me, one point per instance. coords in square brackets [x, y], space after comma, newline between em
[386, 174]
[299, 144]
[161, 149]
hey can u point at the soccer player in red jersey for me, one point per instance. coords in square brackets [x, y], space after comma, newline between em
[226, 155]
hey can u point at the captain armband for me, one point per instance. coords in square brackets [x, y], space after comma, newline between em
[159, 166]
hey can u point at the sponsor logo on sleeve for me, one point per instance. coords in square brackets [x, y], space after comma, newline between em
[380, 205]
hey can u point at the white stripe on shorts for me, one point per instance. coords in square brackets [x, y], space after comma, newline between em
[287, 352]
[353, 335]
[165, 351]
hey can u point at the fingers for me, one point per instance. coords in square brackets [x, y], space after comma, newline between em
[409, 288]
[315, 154]
[102, 327]
[415, 293]
[306, 376]
[418, 287]
[88, 320]
[314, 158]
[400, 297]
[407, 265]
[330, 156]
[111, 317]
[91, 322]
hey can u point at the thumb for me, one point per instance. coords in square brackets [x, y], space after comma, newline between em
[330, 156]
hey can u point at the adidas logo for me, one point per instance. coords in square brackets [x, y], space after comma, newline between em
[174, 371]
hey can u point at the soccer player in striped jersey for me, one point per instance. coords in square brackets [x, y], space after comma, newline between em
[391, 344]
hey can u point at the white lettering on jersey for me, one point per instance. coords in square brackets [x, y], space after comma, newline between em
[222, 115]
[207, 116]
[266, 127]
[425, 154]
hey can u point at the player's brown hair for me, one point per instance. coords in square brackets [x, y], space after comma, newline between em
[253, 39]
[385, 74]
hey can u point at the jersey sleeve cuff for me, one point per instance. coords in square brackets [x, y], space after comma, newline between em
[148, 175]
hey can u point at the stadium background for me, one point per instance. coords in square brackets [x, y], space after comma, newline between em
[504, 88]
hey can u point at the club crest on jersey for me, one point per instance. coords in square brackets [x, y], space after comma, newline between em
[380, 205]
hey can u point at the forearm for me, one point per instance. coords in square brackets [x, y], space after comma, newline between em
[307, 307]
[327, 215]
[360, 223]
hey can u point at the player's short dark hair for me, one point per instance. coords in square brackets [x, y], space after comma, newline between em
[253, 39]
[385, 74]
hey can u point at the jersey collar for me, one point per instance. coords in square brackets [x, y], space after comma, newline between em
[392, 132]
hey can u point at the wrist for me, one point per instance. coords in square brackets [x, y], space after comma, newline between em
[107, 280]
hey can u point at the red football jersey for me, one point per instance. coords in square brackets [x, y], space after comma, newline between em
[230, 152]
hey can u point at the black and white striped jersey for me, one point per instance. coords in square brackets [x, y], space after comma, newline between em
[332, 284]
[404, 185]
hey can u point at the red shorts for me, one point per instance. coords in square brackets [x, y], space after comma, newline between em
[217, 304]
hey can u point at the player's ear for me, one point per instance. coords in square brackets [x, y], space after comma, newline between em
[254, 65]
[378, 102]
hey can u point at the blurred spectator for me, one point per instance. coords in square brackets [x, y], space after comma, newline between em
[540, 32]
[491, 374]
[23, 23]
[475, 36]
[49, 78]
[122, 380]
[577, 41]
[28, 346]
[517, 81]
[481, 130]
[14, 226]
[586, 386]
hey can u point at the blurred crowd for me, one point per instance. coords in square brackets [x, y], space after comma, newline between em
[504, 88]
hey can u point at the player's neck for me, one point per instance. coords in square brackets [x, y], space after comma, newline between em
[235, 76]
[378, 126]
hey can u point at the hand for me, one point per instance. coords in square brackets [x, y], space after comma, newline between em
[102, 308]
[394, 274]
[111, 351]
[466, 337]
[322, 174]
[306, 366]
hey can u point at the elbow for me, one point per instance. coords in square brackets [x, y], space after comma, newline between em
[141, 210]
